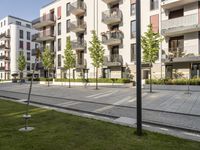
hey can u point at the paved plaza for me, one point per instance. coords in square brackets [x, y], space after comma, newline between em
[172, 108]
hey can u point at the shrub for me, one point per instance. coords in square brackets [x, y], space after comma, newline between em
[93, 80]
[195, 81]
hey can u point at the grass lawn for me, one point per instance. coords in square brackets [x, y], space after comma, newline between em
[59, 131]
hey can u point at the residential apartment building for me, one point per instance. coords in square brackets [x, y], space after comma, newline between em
[15, 38]
[115, 23]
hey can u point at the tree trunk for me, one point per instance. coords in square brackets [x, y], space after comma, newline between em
[69, 79]
[20, 75]
[96, 78]
[48, 78]
[150, 80]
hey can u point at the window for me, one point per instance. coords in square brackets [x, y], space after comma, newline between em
[59, 12]
[59, 60]
[28, 45]
[21, 44]
[133, 29]
[154, 20]
[68, 26]
[4, 22]
[154, 4]
[133, 52]
[59, 44]
[28, 66]
[21, 34]
[59, 28]
[28, 25]
[133, 9]
[67, 9]
[28, 36]
[28, 56]
[18, 23]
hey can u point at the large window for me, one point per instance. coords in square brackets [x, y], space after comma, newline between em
[68, 26]
[154, 4]
[133, 52]
[59, 44]
[28, 36]
[21, 45]
[133, 9]
[28, 56]
[59, 28]
[59, 60]
[28, 45]
[28, 66]
[67, 9]
[21, 34]
[133, 29]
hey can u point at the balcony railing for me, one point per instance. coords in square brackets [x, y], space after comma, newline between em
[2, 68]
[45, 20]
[78, 26]
[81, 64]
[79, 44]
[78, 8]
[180, 25]
[112, 38]
[4, 46]
[45, 35]
[113, 16]
[113, 60]
[2, 57]
[5, 35]
[111, 1]
[168, 4]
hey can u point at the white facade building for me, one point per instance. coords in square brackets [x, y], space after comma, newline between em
[114, 21]
[15, 37]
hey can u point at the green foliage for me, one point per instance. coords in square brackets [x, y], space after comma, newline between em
[195, 81]
[41, 79]
[151, 45]
[92, 80]
[96, 51]
[21, 62]
[47, 59]
[69, 57]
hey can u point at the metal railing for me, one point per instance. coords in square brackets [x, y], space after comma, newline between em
[111, 35]
[4, 46]
[44, 33]
[7, 35]
[184, 21]
[77, 5]
[46, 17]
[111, 14]
[77, 44]
[77, 24]
[115, 58]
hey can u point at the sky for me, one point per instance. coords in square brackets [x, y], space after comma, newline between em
[25, 9]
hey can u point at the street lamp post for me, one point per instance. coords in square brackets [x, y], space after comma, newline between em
[138, 47]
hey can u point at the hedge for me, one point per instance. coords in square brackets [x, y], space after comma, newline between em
[93, 80]
[41, 79]
[174, 81]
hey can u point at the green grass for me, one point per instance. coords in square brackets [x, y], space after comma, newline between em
[59, 131]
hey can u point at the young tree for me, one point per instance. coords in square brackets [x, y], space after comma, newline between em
[47, 61]
[96, 53]
[21, 64]
[69, 58]
[151, 45]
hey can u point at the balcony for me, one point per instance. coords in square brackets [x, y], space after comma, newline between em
[4, 46]
[81, 64]
[2, 68]
[78, 26]
[111, 1]
[78, 8]
[79, 45]
[46, 35]
[113, 16]
[168, 4]
[3, 57]
[5, 36]
[112, 38]
[181, 25]
[113, 61]
[46, 20]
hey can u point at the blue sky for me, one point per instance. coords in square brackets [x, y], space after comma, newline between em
[26, 9]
